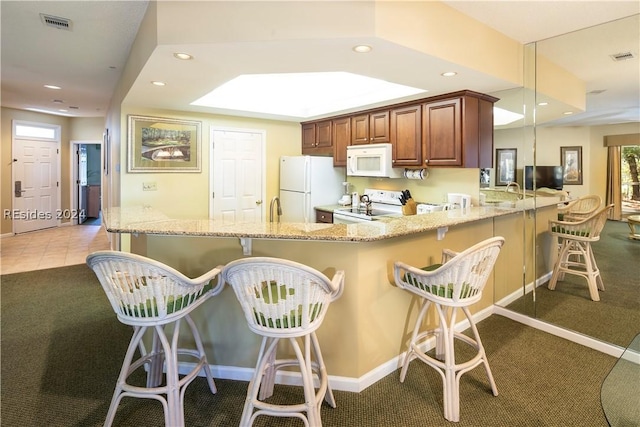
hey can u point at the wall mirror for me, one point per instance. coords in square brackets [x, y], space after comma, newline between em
[539, 136]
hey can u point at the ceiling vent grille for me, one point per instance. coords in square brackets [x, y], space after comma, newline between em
[623, 56]
[56, 22]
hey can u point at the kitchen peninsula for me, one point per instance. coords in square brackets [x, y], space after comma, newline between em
[365, 330]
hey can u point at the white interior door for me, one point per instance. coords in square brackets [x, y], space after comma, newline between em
[36, 163]
[237, 176]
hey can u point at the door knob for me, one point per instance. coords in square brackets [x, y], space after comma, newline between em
[258, 202]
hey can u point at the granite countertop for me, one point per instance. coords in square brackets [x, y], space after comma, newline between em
[145, 220]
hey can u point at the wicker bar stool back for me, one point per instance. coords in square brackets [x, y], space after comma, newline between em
[580, 208]
[283, 299]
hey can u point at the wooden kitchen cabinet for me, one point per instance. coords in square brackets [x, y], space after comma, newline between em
[458, 131]
[406, 136]
[370, 128]
[450, 130]
[341, 136]
[316, 138]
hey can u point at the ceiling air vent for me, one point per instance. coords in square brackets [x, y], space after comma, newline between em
[56, 22]
[623, 56]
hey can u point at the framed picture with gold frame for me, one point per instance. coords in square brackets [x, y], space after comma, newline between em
[571, 158]
[163, 145]
[506, 164]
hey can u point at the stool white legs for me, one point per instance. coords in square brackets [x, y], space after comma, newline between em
[263, 381]
[582, 264]
[445, 362]
[163, 354]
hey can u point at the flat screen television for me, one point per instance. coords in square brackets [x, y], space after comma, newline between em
[546, 176]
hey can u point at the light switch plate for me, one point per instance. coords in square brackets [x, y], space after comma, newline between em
[149, 186]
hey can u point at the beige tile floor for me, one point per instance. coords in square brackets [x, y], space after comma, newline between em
[54, 247]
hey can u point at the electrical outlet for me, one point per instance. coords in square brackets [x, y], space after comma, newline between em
[149, 186]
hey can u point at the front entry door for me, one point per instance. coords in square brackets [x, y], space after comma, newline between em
[237, 176]
[35, 185]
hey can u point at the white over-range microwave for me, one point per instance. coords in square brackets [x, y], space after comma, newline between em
[372, 160]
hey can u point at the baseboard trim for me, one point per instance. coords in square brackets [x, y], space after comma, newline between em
[610, 349]
[522, 292]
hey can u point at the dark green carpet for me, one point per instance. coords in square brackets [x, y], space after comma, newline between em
[616, 317]
[62, 347]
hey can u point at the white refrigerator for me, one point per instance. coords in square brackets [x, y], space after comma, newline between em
[307, 182]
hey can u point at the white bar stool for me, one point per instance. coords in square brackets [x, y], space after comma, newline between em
[576, 256]
[145, 293]
[457, 283]
[283, 299]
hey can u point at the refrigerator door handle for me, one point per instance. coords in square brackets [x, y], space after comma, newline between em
[307, 207]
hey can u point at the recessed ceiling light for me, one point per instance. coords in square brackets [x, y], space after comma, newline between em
[302, 95]
[58, 101]
[362, 48]
[568, 113]
[184, 56]
[157, 83]
[542, 104]
[449, 74]
[53, 87]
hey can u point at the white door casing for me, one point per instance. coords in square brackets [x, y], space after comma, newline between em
[237, 179]
[36, 166]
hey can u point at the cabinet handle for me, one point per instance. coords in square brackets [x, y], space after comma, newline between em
[426, 162]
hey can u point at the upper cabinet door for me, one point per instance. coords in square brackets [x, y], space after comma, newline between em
[323, 135]
[406, 136]
[442, 140]
[379, 127]
[360, 129]
[308, 136]
[341, 132]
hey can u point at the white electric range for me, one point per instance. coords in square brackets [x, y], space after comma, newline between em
[384, 203]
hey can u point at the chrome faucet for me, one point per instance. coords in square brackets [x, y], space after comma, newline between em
[513, 183]
[275, 201]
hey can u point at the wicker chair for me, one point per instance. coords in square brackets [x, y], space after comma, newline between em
[148, 294]
[284, 300]
[580, 208]
[455, 284]
[576, 256]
